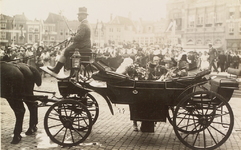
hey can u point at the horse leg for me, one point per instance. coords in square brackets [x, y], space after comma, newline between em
[33, 121]
[19, 110]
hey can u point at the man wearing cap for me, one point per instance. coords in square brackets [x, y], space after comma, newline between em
[81, 40]
[212, 56]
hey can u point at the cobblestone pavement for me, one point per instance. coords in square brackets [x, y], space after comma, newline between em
[109, 132]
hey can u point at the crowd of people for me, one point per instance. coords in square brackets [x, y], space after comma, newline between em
[153, 60]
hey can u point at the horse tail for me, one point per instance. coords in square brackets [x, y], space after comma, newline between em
[37, 75]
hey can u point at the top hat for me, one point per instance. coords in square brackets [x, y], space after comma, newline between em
[210, 44]
[82, 10]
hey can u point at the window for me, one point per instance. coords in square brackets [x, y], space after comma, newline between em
[207, 42]
[3, 25]
[149, 29]
[30, 29]
[239, 26]
[219, 17]
[111, 37]
[3, 35]
[151, 40]
[209, 18]
[191, 21]
[199, 42]
[231, 15]
[36, 37]
[200, 20]
[52, 38]
[231, 28]
[30, 37]
[190, 42]
[118, 38]
[36, 29]
[110, 29]
[142, 39]
[218, 42]
[118, 30]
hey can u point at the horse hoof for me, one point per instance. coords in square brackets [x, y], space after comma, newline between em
[35, 129]
[31, 131]
[16, 139]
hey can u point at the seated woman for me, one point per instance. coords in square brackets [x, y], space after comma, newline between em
[183, 66]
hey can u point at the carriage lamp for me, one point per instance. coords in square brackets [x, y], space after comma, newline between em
[76, 58]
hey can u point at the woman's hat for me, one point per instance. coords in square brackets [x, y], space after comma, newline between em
[83, 10]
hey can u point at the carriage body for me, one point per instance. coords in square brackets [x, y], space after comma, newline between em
[148, 100]
[193, 111]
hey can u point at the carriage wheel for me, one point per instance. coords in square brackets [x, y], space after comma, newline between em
[68, 123]
[203, 120]
[92, 106]
[171, 110]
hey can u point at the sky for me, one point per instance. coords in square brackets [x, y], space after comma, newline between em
[97, 9]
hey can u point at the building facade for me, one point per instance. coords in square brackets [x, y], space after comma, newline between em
[5, 32]
[199, 22]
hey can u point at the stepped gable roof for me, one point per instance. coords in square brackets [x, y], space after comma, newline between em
[123, 21]
[54, 18]
[5, 17]
[20, 17]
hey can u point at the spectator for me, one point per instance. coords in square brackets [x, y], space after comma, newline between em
[212, 57]
[204, 61]
[45, 58]
[229, 60]
[236, 61]
[222, 61]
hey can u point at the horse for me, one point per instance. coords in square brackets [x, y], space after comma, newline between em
[17, 84]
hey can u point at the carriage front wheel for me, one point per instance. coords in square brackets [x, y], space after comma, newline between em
[203, 120]
[68, 122]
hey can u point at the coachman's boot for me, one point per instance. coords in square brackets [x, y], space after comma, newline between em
[56, 68]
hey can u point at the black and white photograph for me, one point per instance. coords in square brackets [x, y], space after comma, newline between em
[120, 74]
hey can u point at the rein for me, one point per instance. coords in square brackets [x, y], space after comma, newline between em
[11, 60]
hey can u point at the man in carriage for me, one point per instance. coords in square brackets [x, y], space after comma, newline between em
[81, 40]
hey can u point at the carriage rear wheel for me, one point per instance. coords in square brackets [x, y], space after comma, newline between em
[203, 120]
[68, 122]
[171, 110]
[92, 106]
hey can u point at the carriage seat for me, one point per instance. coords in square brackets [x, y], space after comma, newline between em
[106, 72]
[87, 56]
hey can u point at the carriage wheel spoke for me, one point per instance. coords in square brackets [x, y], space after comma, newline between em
[204, 139]
[188, 125]
[217, 130]
[71, 135]
[221, 123]
[64, 135]
[54, 118]
[212, 136]
[190, 133]
[78, 132]
[181, 120]
[58, 132]
[55, 125]
[196, 137]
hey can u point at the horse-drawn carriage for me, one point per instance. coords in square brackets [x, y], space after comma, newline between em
[196, 106]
